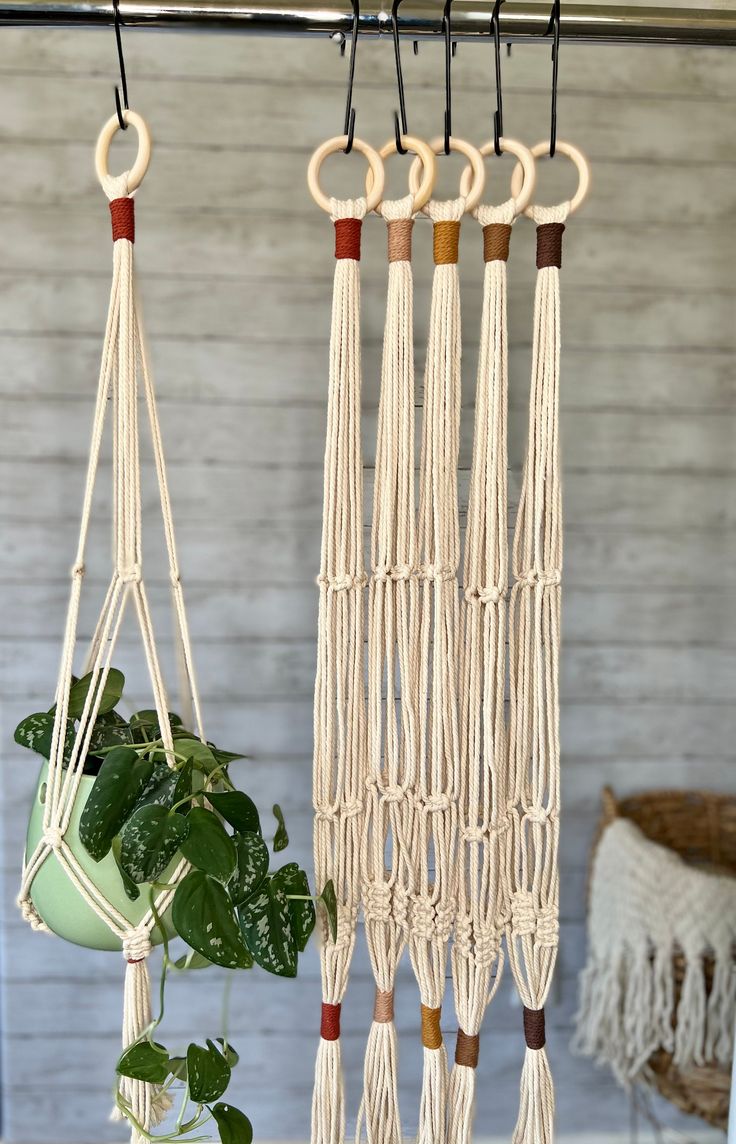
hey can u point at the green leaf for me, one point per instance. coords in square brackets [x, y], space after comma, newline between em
[225, 757]
[328, 899]
[36, 732]
[204, 916]
[199, 752]
[252, 855]
[183, 787]
[238, 809]
[128, 884]
[231, 1056]
[266, 924]
[178, 1067]
[145, 1061]
[146, 727]
[160, 790]
[192, 960]
[208, 1072]
[233, 1125]
[110, 730]
[117, 788]
[208, 846]
[150, 839]
[111, 693]
[293, 880]
[281, 837]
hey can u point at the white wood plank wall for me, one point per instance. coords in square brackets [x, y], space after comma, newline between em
[236, 267]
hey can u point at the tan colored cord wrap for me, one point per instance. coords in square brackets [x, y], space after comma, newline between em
[534, 1030]
[122, 213]
[431, 1031]
[399, 239]
[467, 1049]
[549, 244]
[446, 241]
[383, 1007]
[496, 238]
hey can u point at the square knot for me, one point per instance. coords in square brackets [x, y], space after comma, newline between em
[377, 901]
[464, 934]
[393, 793]
[351, 809]
[342, 583]
[539, 814]
[401, 906]
[131, 575]
[444, 920]
[382, 574]
[325, 812]
[490, 595]
[548, 928]
[53, 836]
[422, 917]
[435, 803]
[523, 914]
[473, 834]
[536, 576]
[437, 573]
[136, 946]
[487, 945]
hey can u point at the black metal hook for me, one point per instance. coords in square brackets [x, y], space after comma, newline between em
[447, 29]
[349, 129]
[553, 29]
[121, 61]
[498, 113]
[400, 127]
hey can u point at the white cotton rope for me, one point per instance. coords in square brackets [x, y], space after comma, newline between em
[534, 645]
[340, 746]
[123, 359]
[476, 956]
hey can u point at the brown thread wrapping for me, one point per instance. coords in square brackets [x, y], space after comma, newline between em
[347, 238]
[467, 1049]
[534, 1032]
[431, 1032]
[549, 244]
[446, 238]
[383, 1007]
[496, 238]
[122, 213]
[399, 239]
[330, 1027]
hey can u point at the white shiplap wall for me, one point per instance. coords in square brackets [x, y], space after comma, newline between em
[236, 266]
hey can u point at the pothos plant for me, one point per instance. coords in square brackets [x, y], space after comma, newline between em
[231, 908]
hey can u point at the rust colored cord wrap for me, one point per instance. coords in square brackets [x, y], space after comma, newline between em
[467, 1049]
[330, 1027]
[347, 238]
[122, 213]
[399, 239]
[549, 244]
[431, 1032]
[383, 1007]
[496, 238]
[534, 1032]
[446, 238]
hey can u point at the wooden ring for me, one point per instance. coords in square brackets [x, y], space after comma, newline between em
[331, 147]
[142, 159]
[577, 157]
[429, 168]
[522, 197]
[476, 164]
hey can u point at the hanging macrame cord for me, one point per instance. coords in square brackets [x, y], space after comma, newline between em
[123, 360]
[534, 647]
[340, 733]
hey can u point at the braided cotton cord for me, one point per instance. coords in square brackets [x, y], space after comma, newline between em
[534, 645]
[339, 696]
[393, 597]
[483, 783]
[123, 352]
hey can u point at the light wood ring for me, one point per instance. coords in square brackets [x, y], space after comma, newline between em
[331, 147]
[142, 159]
[429, 168]
[577, 157]
[528, 167]
[462, 148]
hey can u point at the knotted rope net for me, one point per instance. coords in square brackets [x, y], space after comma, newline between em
[124, 366]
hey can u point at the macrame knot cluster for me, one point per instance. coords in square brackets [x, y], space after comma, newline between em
[132, 574]
[473, 834]
[392, 793]
[538, 814]
[437, 573]
[136, 946]
[401, 902]
[342, 583]
[430, 921]
[398, 572]
[523, 914]
[435, 803]
[53, 836]
[30, 915]
[490, 595]
[377, 901]
[536, 576]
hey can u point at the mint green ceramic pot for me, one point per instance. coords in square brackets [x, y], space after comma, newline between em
[56, 898]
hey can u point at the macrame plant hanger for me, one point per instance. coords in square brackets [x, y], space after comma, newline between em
[124, 365]
[340, 733]
[433, 843]
[393, 598]
[532, 934]
[482, 903]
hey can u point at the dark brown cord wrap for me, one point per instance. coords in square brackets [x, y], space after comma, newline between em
[122, 213]
[467, 1049]
[534, 1032]
[399, 239]
[446, 238]
[347, 238]
[496, 238]
[549, 244]
[330, 1027]
[383, 1007]
[431, 1032]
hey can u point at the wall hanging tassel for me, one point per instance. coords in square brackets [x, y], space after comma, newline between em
[534, 645]
[393, 599]
[484, 822]
[433, 852]
[123, 361]
[340, 735]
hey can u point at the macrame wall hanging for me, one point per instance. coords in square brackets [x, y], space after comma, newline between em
[340, 732]
[122, 924]
[482, 900]
[534, 644]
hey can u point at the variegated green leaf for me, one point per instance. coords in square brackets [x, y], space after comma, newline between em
[252, 854]
[266, 924]
[122, 778]
[203, 915]
[150, 839]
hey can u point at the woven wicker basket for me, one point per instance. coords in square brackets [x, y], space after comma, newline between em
[701, 827]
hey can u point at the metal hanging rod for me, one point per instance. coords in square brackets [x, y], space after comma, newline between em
[519, 22]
